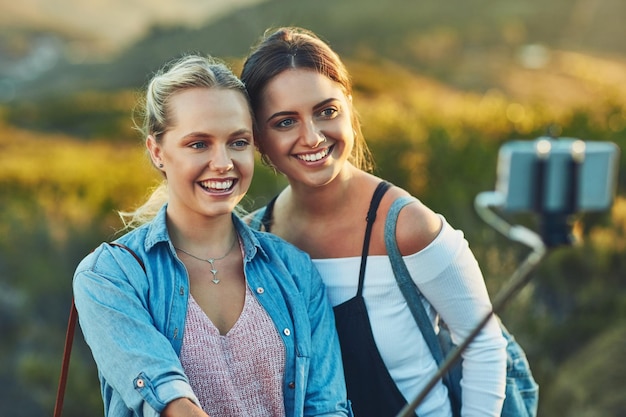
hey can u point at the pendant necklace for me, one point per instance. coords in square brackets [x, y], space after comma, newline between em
[211, 260]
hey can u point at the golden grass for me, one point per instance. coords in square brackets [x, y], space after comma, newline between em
[71, 179]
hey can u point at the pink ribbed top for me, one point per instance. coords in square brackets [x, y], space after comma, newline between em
[240, 373]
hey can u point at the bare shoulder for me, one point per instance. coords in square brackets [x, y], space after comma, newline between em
[417, 224]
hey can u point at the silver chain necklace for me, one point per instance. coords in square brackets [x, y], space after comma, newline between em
[211, 260]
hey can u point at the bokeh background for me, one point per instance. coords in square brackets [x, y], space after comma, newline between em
[440, 86]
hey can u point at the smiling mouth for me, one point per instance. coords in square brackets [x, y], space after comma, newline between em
[217, 185]
[314, 157]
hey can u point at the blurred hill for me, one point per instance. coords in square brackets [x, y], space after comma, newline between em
[39, 38]
[109, 25]
[467, 44]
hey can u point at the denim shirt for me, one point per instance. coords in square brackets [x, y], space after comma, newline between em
[133, 321]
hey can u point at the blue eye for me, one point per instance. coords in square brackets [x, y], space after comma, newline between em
[329, 112]
[197, 145]
[285, 123]
[240, 144]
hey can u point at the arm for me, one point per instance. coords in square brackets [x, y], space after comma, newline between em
[446, 272]
[134, 358]
[448, 275]
[183, 407]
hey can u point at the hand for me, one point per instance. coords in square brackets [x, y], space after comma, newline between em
[183, 407]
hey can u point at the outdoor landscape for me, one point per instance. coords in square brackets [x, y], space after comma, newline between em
[439, 86]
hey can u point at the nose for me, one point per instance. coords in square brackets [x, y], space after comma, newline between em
[221, 160]
[312, 136]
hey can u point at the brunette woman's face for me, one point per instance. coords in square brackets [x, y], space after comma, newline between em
[305, 126]
[207, 153]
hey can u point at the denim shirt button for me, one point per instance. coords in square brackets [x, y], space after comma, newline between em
[287, 332]
[182, 291]
[292, 385]
[260, 290]
[140, 383]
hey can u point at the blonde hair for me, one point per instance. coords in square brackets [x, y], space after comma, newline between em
[189, 71]
[147, 211]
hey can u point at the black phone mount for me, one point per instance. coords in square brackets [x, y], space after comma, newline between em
[555, 225]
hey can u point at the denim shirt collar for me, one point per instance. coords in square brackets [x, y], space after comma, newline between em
[157, 233]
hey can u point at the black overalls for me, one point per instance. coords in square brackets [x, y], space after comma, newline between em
[370, 387]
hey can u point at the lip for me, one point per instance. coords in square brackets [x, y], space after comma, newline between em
[218, 185]
[315, 157]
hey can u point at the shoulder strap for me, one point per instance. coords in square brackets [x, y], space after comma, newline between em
[256, 219]
[132, 252]
[407, 286]
[268, 213]
[381, 189]
[67, 351]
[69, 340]
[262, 218]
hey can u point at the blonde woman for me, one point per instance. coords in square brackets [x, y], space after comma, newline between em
[223, 320]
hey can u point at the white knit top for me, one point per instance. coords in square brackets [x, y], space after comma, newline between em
[240, 373]
[448, 275]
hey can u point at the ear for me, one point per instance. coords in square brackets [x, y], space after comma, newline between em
[155, 152]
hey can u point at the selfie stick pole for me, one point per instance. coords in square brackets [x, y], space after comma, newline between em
[555, 231]
[520, 277]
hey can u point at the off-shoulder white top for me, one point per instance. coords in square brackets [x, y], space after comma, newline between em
[449, 277]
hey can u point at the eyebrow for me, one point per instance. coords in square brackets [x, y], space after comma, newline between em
[243, 131]
[280, 114]
[204, 135]
[290, 113]
[197, 135]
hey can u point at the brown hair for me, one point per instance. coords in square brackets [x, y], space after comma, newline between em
[294, 47]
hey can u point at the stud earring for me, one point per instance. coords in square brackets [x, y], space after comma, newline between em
[161, 165]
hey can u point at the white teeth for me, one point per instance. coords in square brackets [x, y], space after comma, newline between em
[312, 157]
[217, 185]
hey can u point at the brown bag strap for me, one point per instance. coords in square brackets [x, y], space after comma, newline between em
[69, 341]
[67, 351]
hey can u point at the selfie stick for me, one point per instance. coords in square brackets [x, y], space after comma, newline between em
[519, 278]
[555, 231]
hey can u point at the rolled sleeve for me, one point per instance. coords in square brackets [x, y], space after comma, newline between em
[137, 364]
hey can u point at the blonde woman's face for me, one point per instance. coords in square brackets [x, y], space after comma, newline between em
[207, 154]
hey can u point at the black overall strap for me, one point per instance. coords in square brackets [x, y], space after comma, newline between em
[381, 189]
[371, 389]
